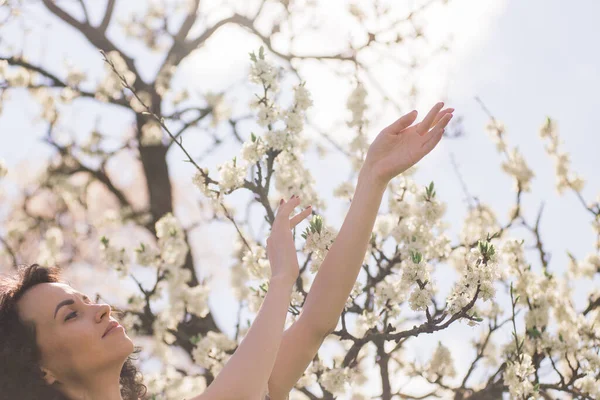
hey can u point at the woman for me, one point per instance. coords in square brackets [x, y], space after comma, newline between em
[55, 344]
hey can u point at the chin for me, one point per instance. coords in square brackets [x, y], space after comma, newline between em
[119, 343]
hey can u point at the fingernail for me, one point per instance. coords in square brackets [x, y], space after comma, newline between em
[281, 202]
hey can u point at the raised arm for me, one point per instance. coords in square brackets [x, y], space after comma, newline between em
[395, 149]
[245, 375]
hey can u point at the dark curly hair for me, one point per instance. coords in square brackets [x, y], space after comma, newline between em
[20, 374]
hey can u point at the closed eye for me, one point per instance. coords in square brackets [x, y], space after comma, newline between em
[69, 316]
[74, 313]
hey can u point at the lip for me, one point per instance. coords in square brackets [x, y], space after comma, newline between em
[111, 327]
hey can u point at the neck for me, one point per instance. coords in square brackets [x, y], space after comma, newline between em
[101, 387]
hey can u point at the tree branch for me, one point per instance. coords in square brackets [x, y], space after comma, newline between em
[107, 16]
[95, 37]
[85, 11]
[56, 81]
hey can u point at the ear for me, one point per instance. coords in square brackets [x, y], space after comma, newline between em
[48, 376]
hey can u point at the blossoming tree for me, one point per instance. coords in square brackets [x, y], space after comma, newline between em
[75, 212]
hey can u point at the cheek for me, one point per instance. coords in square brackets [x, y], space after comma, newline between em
[77, 337]
[76, 344]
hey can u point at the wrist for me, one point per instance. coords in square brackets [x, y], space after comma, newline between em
[368, 178]
[282, 281]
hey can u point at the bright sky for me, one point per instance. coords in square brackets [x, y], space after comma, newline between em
[525, 60]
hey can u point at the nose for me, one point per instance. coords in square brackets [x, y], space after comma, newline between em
[102, 310]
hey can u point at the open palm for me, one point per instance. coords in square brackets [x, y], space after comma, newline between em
[401, 145]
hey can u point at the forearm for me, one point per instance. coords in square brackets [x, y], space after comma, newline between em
[340, 268]
[245, 375]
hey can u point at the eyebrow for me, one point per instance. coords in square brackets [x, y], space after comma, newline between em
[64, 303]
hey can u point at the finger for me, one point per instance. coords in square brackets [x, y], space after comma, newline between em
[436, 134]
[300, 216]
[286, 207]
[439, 116]
[425, 125]
[443, 122]
[403, 122]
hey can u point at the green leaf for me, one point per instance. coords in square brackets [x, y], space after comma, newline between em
[253, 137]
[195, 339]
[534, 332]
[261, 53]
[253, 57]
[141, 248]
[416, 256]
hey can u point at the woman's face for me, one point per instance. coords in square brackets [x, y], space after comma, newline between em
[69, 330]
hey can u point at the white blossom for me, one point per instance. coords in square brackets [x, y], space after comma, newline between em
[357, 105]
[220, 110]
[163, 79]
[441, 363]
[319, 242]
[496, 130]
[147, 255]
[139, 105]
[256, 262]
[294, 120]
[268, 112]
[171, 241]
[232, 175]
[151, 134]
[344, 190]
[421, 298]
[302, 97]
[121, 66]
[115, 257]
[50, 246]
[264, 73]
[276, 139]
[74, 76]
[564, 177]
[479, 221]
[18, 77]
[252, 152]
[587, 268]
[516, 377]
[589, 384]
[365, 321]
[334, 380]
[196, 299]
[210, 351]
[517, 167]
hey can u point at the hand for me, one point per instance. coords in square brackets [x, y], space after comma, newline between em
[400, 145]
[281, 250]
